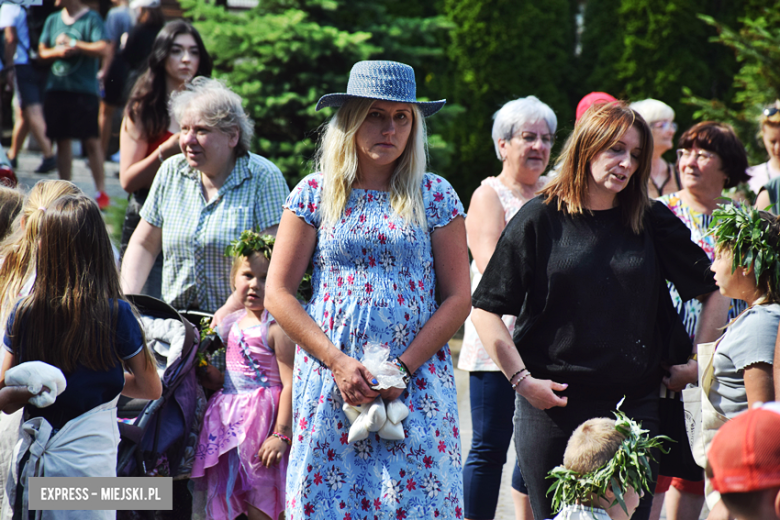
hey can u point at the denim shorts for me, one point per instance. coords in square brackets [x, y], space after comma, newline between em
[30, 83]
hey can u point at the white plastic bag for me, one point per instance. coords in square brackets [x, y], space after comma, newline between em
[392, 431]
[42, 380]
[375, 359]
[397, 411]
[351, 412]
[376, 414]
[358, 431]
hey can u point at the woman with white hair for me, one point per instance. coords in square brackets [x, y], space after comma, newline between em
[523, 134]
[202, 199]
[384, 236]
[664, 178]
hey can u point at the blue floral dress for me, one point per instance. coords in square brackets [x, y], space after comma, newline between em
[374, 282]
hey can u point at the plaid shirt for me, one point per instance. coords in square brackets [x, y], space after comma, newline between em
[195, 233]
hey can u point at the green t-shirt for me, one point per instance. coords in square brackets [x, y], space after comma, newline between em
[77, 73]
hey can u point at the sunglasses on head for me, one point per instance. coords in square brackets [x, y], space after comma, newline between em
[770, 111]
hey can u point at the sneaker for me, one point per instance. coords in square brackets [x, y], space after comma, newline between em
[14, 163]
[49, 164]
[103, 200]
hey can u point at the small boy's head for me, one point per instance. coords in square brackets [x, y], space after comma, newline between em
[600, 453]
[744, 463]
[592, 445]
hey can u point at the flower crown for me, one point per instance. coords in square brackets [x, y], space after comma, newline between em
[251, 242]
[629, 467]
[750, 238]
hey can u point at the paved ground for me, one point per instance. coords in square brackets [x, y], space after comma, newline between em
[82, 177]
[505, 509]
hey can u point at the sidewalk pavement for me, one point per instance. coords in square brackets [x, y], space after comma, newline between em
[505, 509]
[82, 176]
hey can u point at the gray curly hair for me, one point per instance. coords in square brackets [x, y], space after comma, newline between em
[219, 107]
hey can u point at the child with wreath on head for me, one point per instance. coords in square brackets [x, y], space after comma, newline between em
[241, 457]
[739, 373]
[605, 470]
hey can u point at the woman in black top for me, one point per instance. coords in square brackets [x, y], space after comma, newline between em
[583, 267]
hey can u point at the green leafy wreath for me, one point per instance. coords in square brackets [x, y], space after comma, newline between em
[742, 230]
[629, 467]
[250, 242]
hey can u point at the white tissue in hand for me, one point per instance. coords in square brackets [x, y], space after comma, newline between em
[376, 415]
[397, 411]
[351, 412]
[45, 381]
[358, 430]
[392, 432]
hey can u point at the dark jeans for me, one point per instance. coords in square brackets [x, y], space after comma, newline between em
[541, 437]
[492, 408]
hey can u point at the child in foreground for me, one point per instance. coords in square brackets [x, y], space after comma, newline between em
[605, 470]
[241, 456]
[75, 319]
[744, 464]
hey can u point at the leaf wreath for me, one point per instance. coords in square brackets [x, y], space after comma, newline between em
[629, 467]
[250, 242]
[750, 239]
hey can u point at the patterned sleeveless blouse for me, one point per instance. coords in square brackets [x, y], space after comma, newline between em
[473, 357]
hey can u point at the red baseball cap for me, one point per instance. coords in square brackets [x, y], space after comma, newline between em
[591, 99]
[745, 453]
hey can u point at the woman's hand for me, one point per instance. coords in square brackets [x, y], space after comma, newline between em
[170, 147]
[354, 380]
[232, 305]
[272, 451]
[540, 393]
[681, 375]
[391, 394]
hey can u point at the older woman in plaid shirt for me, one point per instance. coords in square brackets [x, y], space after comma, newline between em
[202, 199]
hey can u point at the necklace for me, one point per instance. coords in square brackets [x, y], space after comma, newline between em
[660, 188]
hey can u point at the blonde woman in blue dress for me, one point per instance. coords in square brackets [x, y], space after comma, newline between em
[384, 236]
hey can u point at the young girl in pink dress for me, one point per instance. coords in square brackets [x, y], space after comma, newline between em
[241, 457]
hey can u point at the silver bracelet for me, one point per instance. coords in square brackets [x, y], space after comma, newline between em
[160, 156]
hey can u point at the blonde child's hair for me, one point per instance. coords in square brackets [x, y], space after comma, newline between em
[18, 249]
[77, 292]
[11, 200]
[592, 445]
[338, 161]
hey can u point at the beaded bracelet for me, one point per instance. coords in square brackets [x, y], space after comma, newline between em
[521, 379]
[518, 373]
[405, 374]
[282, 437]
